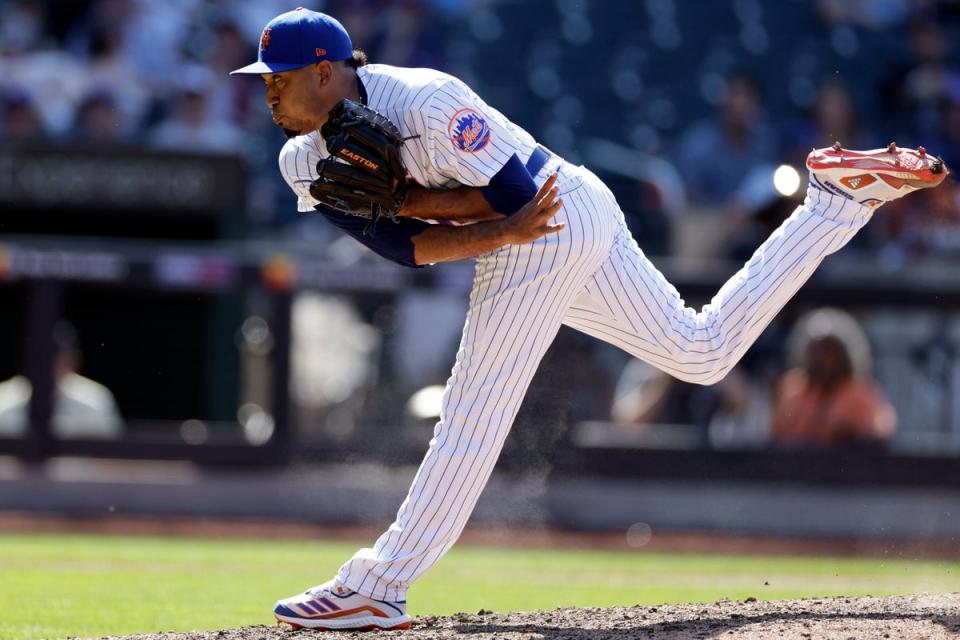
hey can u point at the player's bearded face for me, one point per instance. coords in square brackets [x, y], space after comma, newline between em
[293, 99]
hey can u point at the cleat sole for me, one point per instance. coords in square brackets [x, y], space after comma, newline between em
[875, 176]
[364, 623]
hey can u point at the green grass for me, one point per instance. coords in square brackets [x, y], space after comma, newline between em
[54, 586]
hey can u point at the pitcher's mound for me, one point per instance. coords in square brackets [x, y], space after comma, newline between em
[896, 617]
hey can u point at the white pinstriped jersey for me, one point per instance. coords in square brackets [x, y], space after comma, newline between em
[462, 140]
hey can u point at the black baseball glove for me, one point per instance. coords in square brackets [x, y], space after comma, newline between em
[363, 176]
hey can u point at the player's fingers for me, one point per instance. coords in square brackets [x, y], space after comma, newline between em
[545, 187]
[535, 208]
[553, 228]
[547, 198]
[550, 210]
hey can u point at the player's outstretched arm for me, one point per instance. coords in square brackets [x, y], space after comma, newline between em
[445, 244]
[463, 204]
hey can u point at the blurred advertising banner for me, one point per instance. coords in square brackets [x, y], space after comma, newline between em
[124, 181]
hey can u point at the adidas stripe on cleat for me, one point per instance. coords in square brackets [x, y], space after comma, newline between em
[876, 176]
[331, 606]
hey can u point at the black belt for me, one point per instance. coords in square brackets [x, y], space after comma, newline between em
[537, 159]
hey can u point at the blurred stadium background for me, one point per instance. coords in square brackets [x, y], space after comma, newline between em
[177, 342]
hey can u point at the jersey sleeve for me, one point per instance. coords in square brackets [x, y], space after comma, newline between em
[390, 240]
[298, 164]
[467, 140]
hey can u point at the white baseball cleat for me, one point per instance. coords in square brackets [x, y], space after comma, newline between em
[876, 176]
[331, 606]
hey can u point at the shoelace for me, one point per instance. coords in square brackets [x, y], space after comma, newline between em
[326, 590]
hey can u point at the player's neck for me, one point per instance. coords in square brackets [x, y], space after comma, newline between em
[345, 84]
[351, 84]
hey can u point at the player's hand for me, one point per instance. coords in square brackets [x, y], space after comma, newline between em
[532, 221]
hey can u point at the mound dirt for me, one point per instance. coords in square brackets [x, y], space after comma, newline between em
[931, 617]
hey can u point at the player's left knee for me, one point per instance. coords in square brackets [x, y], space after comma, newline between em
[713, 376]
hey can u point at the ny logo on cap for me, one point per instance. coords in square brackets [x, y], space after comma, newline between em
[265, 39]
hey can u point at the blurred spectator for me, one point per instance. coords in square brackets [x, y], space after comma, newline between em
[82, 408]
[833, 117]
[829, 400]
[404, 33]
[235, 100]
[19, 119]
[918, 87]
[190, 126]
[874, 14]
[99, 119]
[928, 227]
[109, 67]
[644, 204]
[646, 396]
[333, 360]
[21, 26]
[715, 154]
[760, 209]
[31, 61]
[947, 142]
[155, 35]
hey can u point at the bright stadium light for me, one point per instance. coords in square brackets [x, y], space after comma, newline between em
[786, 180]
[426, 403]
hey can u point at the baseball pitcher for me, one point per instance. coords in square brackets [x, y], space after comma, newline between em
[384, 153]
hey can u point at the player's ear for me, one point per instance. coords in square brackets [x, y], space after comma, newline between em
[323, 73]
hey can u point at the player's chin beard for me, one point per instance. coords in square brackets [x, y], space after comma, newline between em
[297, 127]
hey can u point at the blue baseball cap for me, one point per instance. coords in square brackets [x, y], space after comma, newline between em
[299, 38]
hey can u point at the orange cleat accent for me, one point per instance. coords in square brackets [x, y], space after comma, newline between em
[857, 182]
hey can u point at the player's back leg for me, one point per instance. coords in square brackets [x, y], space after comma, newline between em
[630, 304]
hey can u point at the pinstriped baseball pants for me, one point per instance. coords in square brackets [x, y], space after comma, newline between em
[593, 277]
